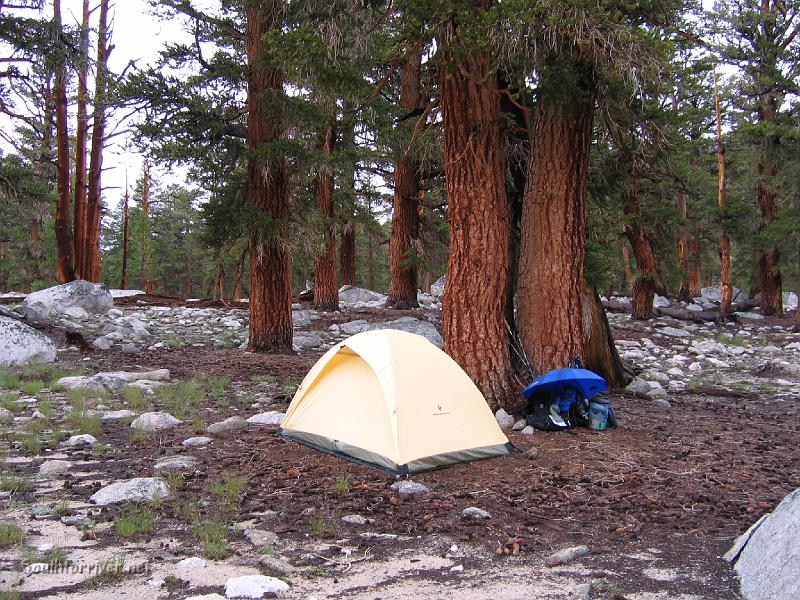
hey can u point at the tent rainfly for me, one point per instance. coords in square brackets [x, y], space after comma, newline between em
[394, 401]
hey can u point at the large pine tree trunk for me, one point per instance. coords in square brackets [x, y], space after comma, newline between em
[683, 250]
[149, 284]
[123, 284]
[474, 303]
[626, 267]
[270, 269]
[405, 214]
[91, 262]
[550, 289]
[600, 354]
[81, 135]
[769, 274]
[646, 282]
[695, 287]
[726, 288]
[326, 292]
[63, 226]
[347, 254]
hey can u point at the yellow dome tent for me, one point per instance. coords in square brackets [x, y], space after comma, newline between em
[394, 401]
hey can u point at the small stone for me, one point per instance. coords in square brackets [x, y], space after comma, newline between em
[528, 430]
[355, 520]
[532, 453]
[229, 424]
[138, 489]
[457, 569]
[505, 420]
[156, 583]
[155, 421]
[6, 416]
[80, 440]
[196, 441]
[638, 386]
[207, 597]
[662, 403]
[473, 512]
[272, 417]
[36, 568]
[117, 415]
[102, 343]
[54, 467]
[519, 425]
[46, 547]
[254, 586]
[193, 562]
[566, 555]
[176, 463]
[261, 537]
[407, 487]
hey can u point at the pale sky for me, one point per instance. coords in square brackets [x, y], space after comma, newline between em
[139, 36]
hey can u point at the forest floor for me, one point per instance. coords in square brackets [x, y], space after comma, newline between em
[655, 501]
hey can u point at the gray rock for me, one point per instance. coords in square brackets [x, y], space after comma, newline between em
[229, 424]
[6, 416]
[54, 467]
[532, 453]
[196, 441]
[655, 391]
[662, 403]
[473, 512]
[713, 294]
[255, 586]
[505, 420]
[638, 386]
[413, 325]
[674, 332]
[76, 312]
[116, 415]
[207, 597]
[261, 537]
[139, 489]
[52, 302]
[155, 421]
[307, 340]
[103, 343]
[354, 327]
[193, 562]
[355, 520]
[21, 344]
[176, 463]
[301, 318]
[272, 417]
[77, 441]
[406, 487]
[350, 296]
[437, 288]
[768, 554]
[566, 555]
[528, 430]
[113, 380]
[519, 425]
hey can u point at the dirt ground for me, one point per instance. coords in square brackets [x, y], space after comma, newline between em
[687, 480]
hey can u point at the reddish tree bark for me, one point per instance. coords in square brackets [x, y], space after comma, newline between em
[645, 284]
[626, 267]
[473, 313]
[63, 226]
[726, 288]
[270, 270]
[91, 263]
[600, 353]
[405, 204]
[551, 286]
[347, 254]
[683, 250]
[123, 284]
[326, 292]
[236, 295]
[81, 135]
[148, 285]
[695, 287]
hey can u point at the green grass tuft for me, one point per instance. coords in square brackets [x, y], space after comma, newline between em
[134, 521]
[213, 538]
[10, 534]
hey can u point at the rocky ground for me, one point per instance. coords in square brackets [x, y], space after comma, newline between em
[146, 465]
